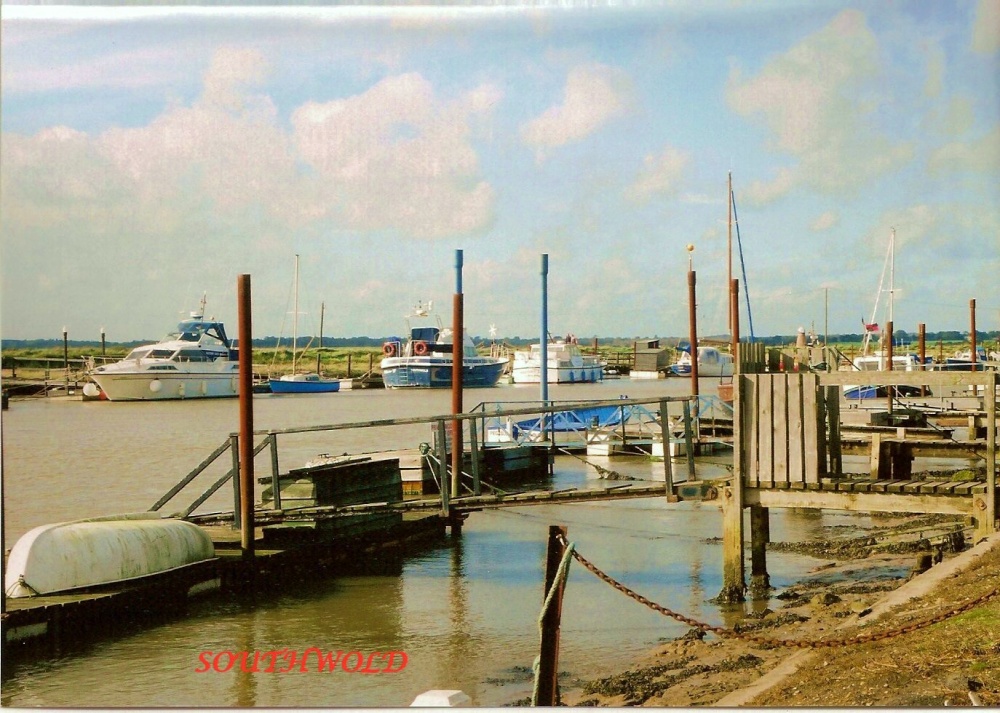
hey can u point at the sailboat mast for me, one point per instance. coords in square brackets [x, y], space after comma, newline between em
[295, 316]
[892, 268]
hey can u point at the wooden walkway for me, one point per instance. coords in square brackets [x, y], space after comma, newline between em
[788, 449]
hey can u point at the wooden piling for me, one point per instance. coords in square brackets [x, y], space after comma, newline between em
[548, 665]
[693, 336]
[246, 417]
[457, 352]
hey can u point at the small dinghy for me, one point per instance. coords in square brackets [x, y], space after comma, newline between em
[68, 556]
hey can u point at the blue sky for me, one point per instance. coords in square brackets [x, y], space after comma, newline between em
[150, 155]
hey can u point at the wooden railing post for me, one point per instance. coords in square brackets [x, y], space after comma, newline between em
[474, 448]
[688, 440]
[548, 664]
[234, 444]
[668, 472]
[443, 467]
[275, 479]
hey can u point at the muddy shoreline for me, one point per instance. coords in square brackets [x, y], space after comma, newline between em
[702, 669]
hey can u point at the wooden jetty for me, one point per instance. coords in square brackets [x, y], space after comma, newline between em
[788, 453]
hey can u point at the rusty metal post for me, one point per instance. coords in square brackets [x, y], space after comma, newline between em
[693, 336]
[246, 416]
[972, 333]
[457, 347]
[548, 664]
[891, 390]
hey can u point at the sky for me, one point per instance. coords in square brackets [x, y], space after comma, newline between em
[150, 155]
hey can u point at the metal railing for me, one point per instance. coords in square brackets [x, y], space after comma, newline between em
[474, 427]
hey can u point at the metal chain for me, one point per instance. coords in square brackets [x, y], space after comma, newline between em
[732, 633]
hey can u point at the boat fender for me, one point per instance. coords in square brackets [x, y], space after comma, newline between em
[389, 349]
[420, 348]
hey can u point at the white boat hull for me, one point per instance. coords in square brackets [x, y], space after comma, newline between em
[160, 386]
[86, 553]
[557, 374]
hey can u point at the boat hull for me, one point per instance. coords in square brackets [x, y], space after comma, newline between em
[323, 386]
[558, 374]
[102, 551]
[435, 373]
[161, 386]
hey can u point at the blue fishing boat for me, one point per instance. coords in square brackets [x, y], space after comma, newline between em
[424, 359]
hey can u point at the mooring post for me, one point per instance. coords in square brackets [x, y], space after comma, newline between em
[668, 473]
[548, 663]
[443, 467]
[543, 354]
[693, 321]
[457, 348]
[246, 417]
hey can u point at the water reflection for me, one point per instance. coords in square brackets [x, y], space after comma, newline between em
[464, 610]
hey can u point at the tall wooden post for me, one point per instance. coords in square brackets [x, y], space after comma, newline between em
[104, 348]
[246, 416]
[548, 664]
[693, 324]
[457, 350]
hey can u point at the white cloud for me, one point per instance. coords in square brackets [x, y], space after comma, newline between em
[827, 220]
[594, 95]
[986, 27]
[660, 175]
[396, 157]
[815, 99]
[982, 155]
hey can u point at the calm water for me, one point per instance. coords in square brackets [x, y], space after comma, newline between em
[464, 612]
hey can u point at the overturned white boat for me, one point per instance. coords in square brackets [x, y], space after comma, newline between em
[69, 556]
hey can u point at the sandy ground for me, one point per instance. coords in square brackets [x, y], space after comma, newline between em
[954, 661]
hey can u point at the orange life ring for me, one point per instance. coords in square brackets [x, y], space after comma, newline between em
[389, 349]
[420, 348]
